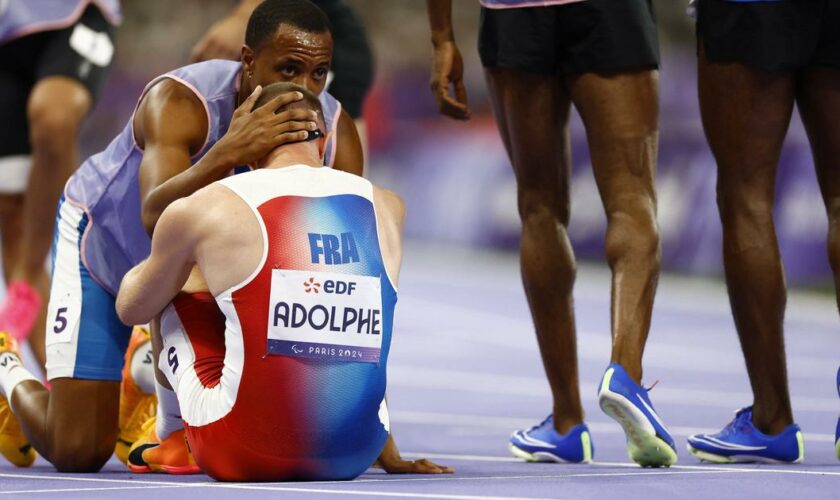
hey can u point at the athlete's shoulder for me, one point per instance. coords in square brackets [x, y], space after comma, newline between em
[390, 200]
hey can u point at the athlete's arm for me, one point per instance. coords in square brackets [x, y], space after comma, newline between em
[348, 156]
[392, 463]
[390, 218]
[448, 68]
[148, 287]
[224, 39]
[171, 126]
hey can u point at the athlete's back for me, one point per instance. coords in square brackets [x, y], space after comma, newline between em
[302, 275]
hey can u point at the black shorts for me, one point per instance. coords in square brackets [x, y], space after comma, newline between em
[352, 64]
[771, 36]
[25, 61]
[593, 36]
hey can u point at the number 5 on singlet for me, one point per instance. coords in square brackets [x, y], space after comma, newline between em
[326, 316]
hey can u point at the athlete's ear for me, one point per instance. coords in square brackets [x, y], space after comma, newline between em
[322, 144]
[247, 61]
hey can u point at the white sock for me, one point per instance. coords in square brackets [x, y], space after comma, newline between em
[143, 368]
[168, 412]
[12, 373]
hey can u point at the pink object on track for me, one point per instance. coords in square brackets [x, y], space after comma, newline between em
[19, 309]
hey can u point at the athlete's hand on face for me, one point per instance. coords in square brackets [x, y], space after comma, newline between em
[222, 41]
[253, 133]
[396, 465]
[448, 70]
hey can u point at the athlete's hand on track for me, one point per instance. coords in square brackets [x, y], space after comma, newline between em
[448, 70]
[254, 133]
[396, 465]
[222, 41]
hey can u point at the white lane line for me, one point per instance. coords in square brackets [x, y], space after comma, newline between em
[512, 423]
[515, 385]
[104, 488]
[739, 468]
[60, 477]
[371, 493]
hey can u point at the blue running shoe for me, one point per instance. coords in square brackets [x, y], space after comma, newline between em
[648, 442]
[542, 443]
[740, 442]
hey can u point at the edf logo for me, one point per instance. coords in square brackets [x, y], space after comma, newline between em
[334, 249]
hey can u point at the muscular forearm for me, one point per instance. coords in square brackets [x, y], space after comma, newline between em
[440, 20]
[131, 306]
[213, 166]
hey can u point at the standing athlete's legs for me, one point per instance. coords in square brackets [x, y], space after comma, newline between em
[532, 113]
[55, 109]
[746, 113]
[818, 98]
[745, 117]
[620, 113]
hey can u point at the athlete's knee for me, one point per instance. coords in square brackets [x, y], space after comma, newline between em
[73, 452]
[542, 206]
[741, 208]
[632, 231]
[54, 112]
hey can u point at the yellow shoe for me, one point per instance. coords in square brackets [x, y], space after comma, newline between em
[13, 444]
[136, 406]
[172, 455]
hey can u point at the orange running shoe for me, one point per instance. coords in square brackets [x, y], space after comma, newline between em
[13, 444]
[172, 455]
[136, 406]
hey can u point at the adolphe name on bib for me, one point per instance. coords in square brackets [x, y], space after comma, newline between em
[328, 316]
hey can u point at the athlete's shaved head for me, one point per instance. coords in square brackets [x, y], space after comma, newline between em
[310, 101]
[269, 15]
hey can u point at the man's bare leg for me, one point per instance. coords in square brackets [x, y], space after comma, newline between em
[818, 98]
[74, 425]
[532, 112]
[55, 109]
[620, 113]
[745, 116]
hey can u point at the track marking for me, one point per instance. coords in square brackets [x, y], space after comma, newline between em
[104, 488]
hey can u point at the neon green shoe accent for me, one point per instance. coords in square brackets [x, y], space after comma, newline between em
[709, 457]
[837, 448]
[801, 444]
[520, 453]
[586, 442]
[605, 384]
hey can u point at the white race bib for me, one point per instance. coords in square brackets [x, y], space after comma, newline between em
[330, 316]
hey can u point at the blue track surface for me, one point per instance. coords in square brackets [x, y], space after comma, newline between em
[465, 372]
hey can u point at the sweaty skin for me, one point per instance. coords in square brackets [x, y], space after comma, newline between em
[74, 425]
[620, 114]
[746, 114]
[193, 234]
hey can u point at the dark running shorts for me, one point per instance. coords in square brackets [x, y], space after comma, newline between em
[593, 36]
[25, 61]
[771, 36]
[352, 62]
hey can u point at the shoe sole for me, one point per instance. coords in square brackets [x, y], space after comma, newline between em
[544, 456]
[714, 458]
[643, 445]
[165, 469]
